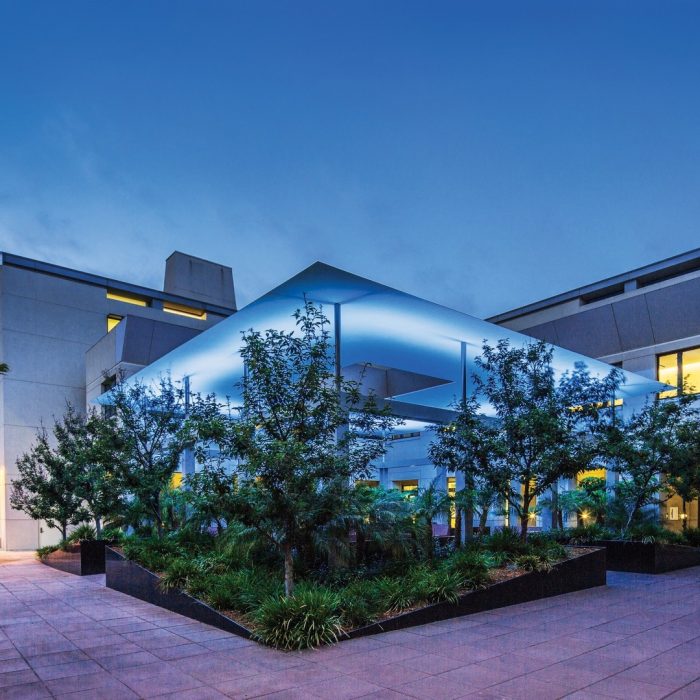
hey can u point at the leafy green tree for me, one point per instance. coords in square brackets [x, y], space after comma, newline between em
[465, 445]
[154, 434]
[429, 504]
[383, 524]
[303, 435]
[589, 500]
[544, 428]
[93, 447]
[649, 451]
[46, 487]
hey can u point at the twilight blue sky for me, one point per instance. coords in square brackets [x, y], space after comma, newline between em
[480, 154]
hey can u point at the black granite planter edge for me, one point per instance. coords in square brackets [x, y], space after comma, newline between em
[648, 557]
[580, 572]
[87, 561]
[133, 579]
[575, 574]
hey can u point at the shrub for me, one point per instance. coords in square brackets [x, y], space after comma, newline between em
[82, 532]
[441, 586]
[309, 618]
[44, 552]
[179, 573]
[397, 594]
[151, 552]
[361, 602]
[504, 540]
[691, 537]
[113, 534]
[242, 590]
[471, 567]
[651, 532]
[534, 562]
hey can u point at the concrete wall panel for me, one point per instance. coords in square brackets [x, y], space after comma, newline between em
[633, 323]
[591, 332]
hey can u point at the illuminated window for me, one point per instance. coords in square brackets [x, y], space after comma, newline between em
[407, 485]
[127, 298]
[176, 480]
[113, 321]
[452, 492]
[679, 369]
[182, 310]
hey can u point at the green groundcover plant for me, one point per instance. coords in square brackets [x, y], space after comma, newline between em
[245, 580]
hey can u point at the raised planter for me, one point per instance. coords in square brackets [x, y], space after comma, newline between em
[84, 559]
[131, 578]
[581, 571]
[648, 557]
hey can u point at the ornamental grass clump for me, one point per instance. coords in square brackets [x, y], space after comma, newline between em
[309, 618]
[243, 591]
[470, 568]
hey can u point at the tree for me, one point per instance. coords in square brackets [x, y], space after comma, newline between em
[649, 451]
[4, 368]
[464, 445]
[303, 435]
[154, 434]
[46, 487]
[92, 445]
[589, 500]
[429, 504]
[685, 480]
[544, 427]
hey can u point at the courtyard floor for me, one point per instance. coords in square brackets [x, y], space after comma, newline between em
[70, 637]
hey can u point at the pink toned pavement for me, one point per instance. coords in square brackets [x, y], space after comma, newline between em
[69, 637]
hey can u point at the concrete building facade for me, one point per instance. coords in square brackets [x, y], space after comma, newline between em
[646, 321]
[65, 334]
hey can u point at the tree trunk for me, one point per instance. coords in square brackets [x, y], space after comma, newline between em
[469, 525]
[483, 517]
[524, 519]
[98, 527]
[458, 528]
[684, 518]
[556, 511]
[64, 531]
[288, 570]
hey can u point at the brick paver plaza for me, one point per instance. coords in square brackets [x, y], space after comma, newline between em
[68, 637]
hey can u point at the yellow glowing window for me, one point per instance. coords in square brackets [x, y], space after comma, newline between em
[679, 369]
[176, 480]
[451, 492]
[113, 321]
[371, 483]
[407, 485]
[667, 373]
[126, 298]
[182, 310]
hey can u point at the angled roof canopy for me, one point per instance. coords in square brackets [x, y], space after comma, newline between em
[416, 350]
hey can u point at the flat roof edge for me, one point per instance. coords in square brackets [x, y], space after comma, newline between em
[100, 281]
[689, 256]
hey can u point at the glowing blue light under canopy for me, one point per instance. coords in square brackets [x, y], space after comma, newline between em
[415, 350]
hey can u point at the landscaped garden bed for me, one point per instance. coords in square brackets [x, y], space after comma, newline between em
[246, 598]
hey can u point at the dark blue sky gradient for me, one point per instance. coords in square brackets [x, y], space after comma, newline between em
[482, 155]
